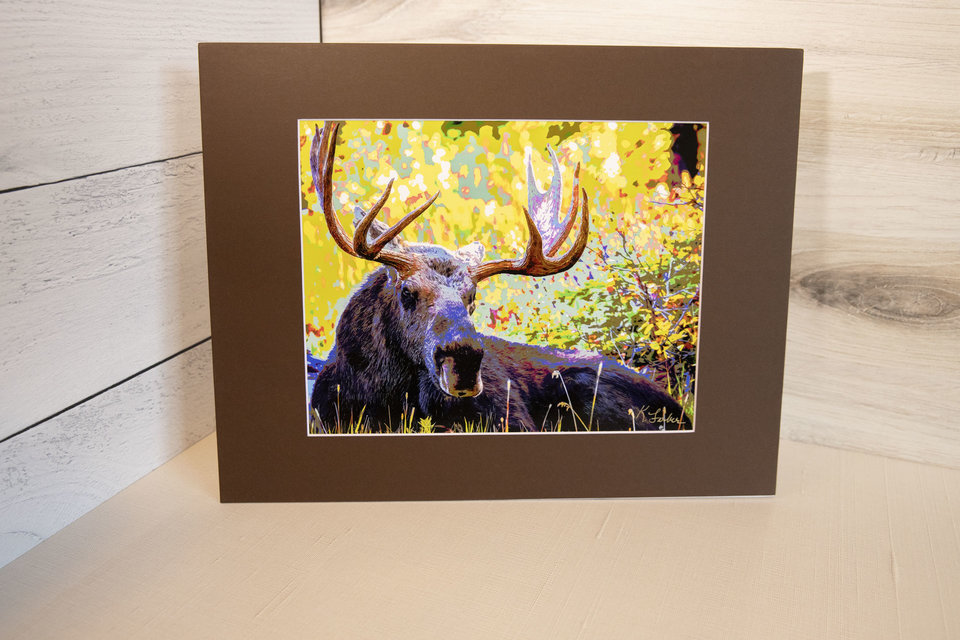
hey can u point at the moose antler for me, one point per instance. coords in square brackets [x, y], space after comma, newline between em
[546, 207]
[324, 149]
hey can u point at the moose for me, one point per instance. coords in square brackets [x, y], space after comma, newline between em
[405, 342]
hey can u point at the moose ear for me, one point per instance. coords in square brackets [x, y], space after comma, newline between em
[393, 278]
[472, 254]
[376, 230]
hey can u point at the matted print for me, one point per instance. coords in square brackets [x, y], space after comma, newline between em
[447, 272]
[491, 277]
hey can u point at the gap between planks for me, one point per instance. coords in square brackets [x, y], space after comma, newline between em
[100, 173]
[106, 389]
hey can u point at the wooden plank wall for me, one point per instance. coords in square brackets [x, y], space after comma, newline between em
[103, 354]
[104, 325]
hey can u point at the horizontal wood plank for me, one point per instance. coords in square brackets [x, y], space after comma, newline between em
[877, 188]
[99, 278]
[852, 546]
[54, 473]
[93, 86]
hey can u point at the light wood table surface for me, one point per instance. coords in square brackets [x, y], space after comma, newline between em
[853, 546]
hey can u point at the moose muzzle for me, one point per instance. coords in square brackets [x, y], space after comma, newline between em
[458, 368]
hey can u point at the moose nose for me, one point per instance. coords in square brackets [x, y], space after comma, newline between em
[458, 366]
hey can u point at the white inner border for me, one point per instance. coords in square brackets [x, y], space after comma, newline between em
[303, 303]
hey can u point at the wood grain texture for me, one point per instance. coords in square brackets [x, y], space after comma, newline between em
[59, 470]
[872, 346]
[99, 278]
[101, 85]
[853, 546]
[873, 361]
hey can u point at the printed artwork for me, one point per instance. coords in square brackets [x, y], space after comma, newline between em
[501, 277]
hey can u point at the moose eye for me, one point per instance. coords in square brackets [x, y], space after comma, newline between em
[408, 297]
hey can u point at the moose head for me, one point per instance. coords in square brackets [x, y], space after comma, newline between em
[431, 289]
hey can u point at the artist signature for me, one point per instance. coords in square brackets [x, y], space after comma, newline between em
[659, 417]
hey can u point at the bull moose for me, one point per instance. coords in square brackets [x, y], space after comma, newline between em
[405, 343]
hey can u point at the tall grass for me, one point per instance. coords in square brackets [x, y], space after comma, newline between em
[408, 422]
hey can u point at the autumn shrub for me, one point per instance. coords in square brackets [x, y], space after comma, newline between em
[635, 298]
